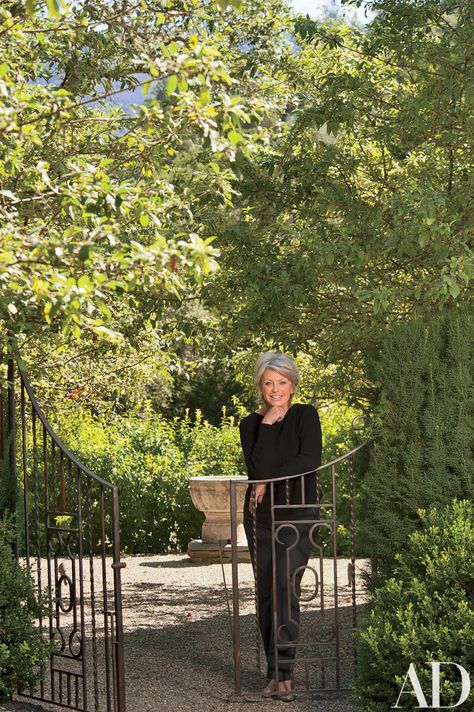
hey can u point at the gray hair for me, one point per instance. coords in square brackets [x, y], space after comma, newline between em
[278, 362]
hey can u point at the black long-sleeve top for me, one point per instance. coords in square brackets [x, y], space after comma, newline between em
[288, 447]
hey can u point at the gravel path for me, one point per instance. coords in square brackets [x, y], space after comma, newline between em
[178, 643]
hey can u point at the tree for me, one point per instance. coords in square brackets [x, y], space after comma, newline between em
[104, 211]
[357, 213]
[97, 205]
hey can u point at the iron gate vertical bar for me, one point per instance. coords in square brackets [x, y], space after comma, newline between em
[274, 582]
[235, 587]
[12, 451]
[353, 556]
[48, 548]
[80, 553]
[334, 553]
[26, 493]
[255, 567]
[90, 532]
[37, 521]
[117, 565]
[104, 600]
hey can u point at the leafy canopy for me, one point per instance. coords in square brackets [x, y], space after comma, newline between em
[98, 205]
[357, 212]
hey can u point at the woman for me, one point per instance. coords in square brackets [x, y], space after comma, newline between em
[278, 440]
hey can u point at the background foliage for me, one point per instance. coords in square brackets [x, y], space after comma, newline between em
[99, 206]
[152, 459]
[358, 211]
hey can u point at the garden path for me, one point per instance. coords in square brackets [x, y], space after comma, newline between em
[178, 644]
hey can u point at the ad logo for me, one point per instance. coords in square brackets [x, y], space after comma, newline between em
[435, 687]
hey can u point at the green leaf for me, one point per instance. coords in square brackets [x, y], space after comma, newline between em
[4, 69]
[53, 8]
[205, 97]
[84, 282]
[171, 84]
[144, 220]
[234, 137]
[109, 334]
[84, 253]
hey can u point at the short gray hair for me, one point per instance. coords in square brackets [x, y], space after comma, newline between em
[278, 362]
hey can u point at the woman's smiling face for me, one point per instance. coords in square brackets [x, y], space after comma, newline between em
[277, 389]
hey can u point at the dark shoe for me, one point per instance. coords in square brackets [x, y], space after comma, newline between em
[270, 690]
[286, 696]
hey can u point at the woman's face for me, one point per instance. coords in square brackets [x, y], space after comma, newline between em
[276, 388]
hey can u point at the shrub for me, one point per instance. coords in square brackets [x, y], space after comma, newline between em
[22, 648]
[423, 613]
[423, 428]
[152, 459]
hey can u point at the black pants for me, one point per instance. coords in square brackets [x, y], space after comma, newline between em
[292, 549]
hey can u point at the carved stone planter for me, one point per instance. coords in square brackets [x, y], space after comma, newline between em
[211, 495]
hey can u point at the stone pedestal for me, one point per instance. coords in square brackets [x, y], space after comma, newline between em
[211, 495]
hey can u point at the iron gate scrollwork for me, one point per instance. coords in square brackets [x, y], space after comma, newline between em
[328, 595]
[69, 539]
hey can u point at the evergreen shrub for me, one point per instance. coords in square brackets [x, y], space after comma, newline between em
[423, 613]
[423, 429]
[22, 647]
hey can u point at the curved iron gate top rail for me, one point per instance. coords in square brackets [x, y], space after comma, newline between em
[322, 639]
[55, 438]
[70, 537]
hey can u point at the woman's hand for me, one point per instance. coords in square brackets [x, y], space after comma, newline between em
[273, 415]
[257, 496]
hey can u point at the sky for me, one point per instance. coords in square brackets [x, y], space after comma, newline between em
[314, 8]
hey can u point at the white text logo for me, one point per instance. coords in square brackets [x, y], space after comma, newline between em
[435, 687]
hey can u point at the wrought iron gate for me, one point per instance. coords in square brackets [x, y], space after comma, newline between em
[68, 537]
[329, 592]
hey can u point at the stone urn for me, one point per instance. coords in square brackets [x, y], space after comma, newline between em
[211, 495]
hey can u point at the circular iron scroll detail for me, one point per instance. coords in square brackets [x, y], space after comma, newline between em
[72, 545]
[75, 644]
[312, 594]
[316, 528]
[58, 642]
[55, 543]
[289, 531]
[361, 421]
[65, 579]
